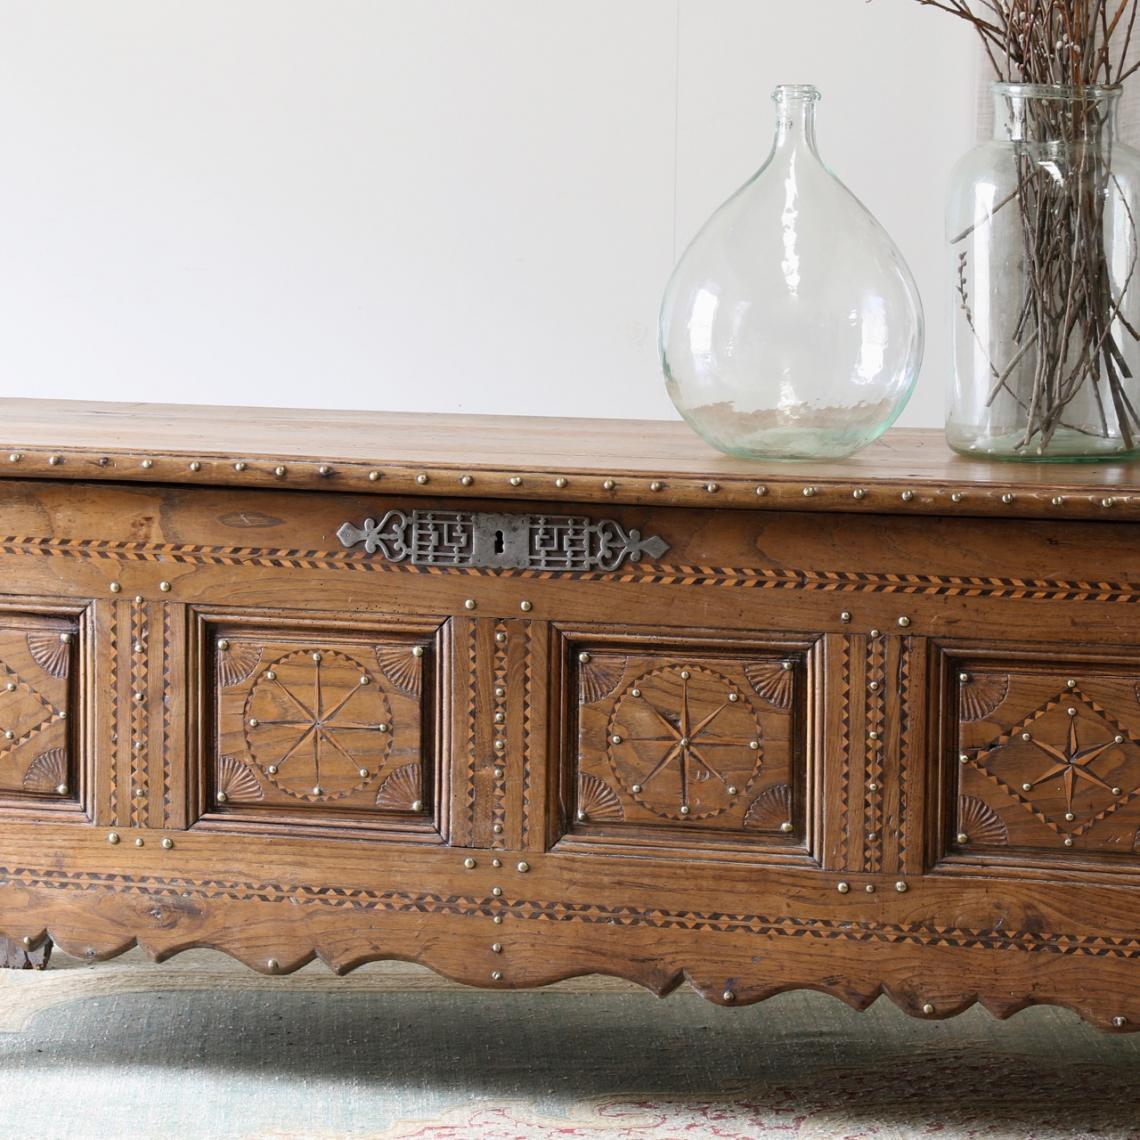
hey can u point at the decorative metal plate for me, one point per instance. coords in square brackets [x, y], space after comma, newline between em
[501, 542]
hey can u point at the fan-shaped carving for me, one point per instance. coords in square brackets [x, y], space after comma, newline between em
[771, 809]
[598, 802]
[50, 652]
[238, 781]
[980, 696]
[773, 682]
[237, 663]
[401, 790]
[599, 678]
[48, 772]
[981, 823]
[402, 667]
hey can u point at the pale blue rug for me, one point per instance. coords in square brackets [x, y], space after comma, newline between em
[202, 1048]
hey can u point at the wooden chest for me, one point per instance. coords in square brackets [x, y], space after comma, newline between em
[526, 699]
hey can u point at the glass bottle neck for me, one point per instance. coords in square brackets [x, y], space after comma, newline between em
[1035, 114]
[795, 117]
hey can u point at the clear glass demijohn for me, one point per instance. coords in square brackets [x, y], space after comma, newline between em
[792, 328]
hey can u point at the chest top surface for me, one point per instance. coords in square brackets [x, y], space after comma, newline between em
[530, 458]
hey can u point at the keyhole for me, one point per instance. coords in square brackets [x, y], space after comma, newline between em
[500, 542]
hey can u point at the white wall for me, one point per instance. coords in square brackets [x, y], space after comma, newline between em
[423, 204]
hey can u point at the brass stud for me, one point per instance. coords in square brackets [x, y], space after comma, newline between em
[874, 633]
[608, 485]
[497, 920]
[1068, 841]
[363, 773]
[1119, 1022]
[366, 680]
[167, 844]
[964, 678]
[500, 717]
[1027, 736]
[465, 480]
[324, 471]
[113, 839]
[195, 465]
[523, 868]
[787, 827]
[1027, 787]
[636, 789]
[140, 793]
[635, 692]
[421, 479]
[872, 786]
[685, 809]
[15, 457]
[496, 975]
[904, 621]
[1118, 791]
[253, 722]
[732, 789]
[417, 805]
[497, 828]
[729, 996]
[1071, 683]
[496, 863]
[656, 485]
[584, 658]
[164, 587]
[140, 697]
[1071, 712]
[1008, 498]
[147, 464]
[223, 645]
[500, 745]
[870, 888]
[382, 727]
[496, 947]
[845, 617]
[615, 739]
[223, 798]
[734, 697]
[963, 837]
[1119, 739]
[61, 789]
[561, 482]
[273, 965]
[500, 637]
[11, 686]
[907, 496]
[859, 494]
[239, 467]
[872, 735]
[317, 657]
[272, 769]
[497, 892]
[418, 651]
[582, 817]
[318, 790]
[901, 887]
[843, 888]
[754, 745]
[1070, 816]
[54, 460]
[873, 686]
[470, 604]
[526, 607]
[810, 492]
[957, 497]
[9, 734]
[140, 842]
[115, 587]
[373, 476]
[928, 1009]
[1058, 500]
[761, 491]
[281, 471]
[27, 943]
[470, 863]
[1108, 504]
[271, 674]
[515, 480]
[685, 674]
[500, 773]
[712, 488]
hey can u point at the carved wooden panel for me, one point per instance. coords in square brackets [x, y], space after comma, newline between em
[694, 743]
[37, 667]
[314, 724]
[1048, 759]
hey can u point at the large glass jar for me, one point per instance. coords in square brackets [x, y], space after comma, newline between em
[791, 328]
[1042, 225]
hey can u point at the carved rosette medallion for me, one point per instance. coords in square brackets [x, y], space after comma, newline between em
[1065, 774]
[317, 724]
[685, 742]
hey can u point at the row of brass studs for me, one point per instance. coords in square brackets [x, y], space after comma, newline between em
[114, 838]
[561, 482]
[523, 867]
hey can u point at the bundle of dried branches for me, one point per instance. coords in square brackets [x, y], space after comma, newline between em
[1073, 315]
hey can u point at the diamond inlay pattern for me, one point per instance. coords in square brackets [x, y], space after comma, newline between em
[1054, 765]
[35, 656]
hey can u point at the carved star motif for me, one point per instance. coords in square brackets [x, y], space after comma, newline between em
[1073, 763]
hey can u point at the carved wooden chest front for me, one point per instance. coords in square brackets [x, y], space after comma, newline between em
[623, 707]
